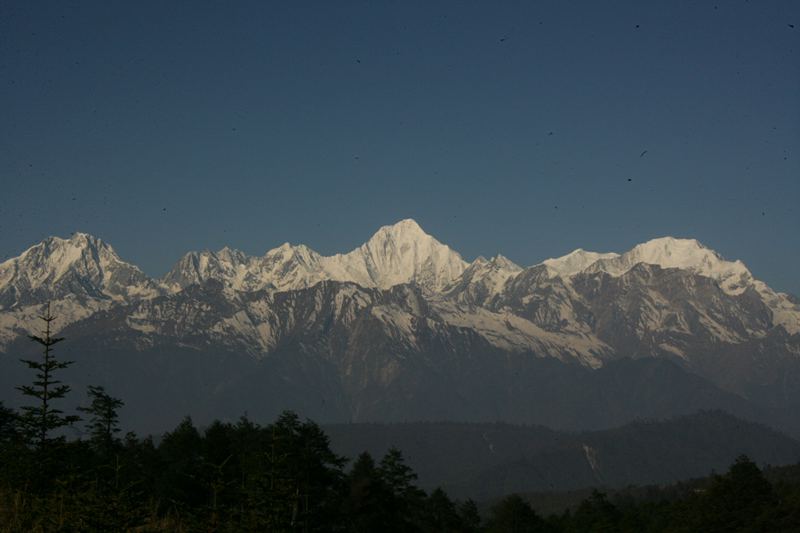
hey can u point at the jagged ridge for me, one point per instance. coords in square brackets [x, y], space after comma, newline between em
[404, 310]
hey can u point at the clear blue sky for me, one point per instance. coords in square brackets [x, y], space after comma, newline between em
[510, 127]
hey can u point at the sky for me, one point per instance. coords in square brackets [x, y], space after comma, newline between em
[522, 128]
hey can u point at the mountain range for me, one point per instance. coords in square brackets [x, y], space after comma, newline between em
[403, 328]
[485, 461]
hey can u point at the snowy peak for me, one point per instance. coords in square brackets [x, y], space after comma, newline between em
[575, 261]
[482, 279]
[404, 252]
[284, 267]
[404, 231]
[669, 252]
[497, 269]
[231, 255]
[501, 262]
[81, 266]
[685, 254]
[199, 267]
[666, 252]
[542, 307]
[400, 253]
[54, 256]
[287, 253]
[290, 267]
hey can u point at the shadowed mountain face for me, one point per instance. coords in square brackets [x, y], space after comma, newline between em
[402, 328]
[485, 461]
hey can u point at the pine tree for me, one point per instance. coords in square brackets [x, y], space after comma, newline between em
[405, 498]
[736, 499]
[368, 498]
[515, 515]
[302, 476]
[398, 476]
[40, 420]
[104, 419]
[470, 517]
[441, 514]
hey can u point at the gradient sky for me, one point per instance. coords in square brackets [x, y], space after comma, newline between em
[522, 128]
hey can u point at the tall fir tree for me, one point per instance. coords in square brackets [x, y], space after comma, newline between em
[368, 498]
[40, 420]
[405, 498]
[103, 417]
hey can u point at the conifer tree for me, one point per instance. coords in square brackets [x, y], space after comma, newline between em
[40, 420]
[8, 424]
[104, 418]
[515, 515]
[405, 498]
[304, 473]
[398, 476]
[470, 517]
[368, 497]
[441, 513]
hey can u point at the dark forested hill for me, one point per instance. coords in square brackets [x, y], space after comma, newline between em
[485, 461]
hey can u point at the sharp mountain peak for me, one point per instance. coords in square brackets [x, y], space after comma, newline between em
[396, 253]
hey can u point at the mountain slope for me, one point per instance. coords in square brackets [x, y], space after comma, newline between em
[396, 254]
[575, 262]
[80, 276]
[486, 461]
[80, 267]
[402, 328]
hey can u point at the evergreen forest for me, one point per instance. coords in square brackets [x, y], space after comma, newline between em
[282, 477]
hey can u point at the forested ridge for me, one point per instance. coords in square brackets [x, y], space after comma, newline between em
[242, 476]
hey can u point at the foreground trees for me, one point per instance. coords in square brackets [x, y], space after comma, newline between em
[39, 420]
[229, 477]
[284, 477]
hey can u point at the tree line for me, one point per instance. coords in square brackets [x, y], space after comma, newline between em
[284, 477]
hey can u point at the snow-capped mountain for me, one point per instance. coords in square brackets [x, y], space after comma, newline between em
[403, 315]
[80, 276]
[401, 253]
[81, 266]
[286, 267]
[686, 254]
[229, 265]
[397, 254]
[482, 279]
[733, 277]
[575, 261]
[86, 274]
